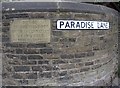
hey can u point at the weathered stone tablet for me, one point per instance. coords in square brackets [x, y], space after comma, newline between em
[30, 30]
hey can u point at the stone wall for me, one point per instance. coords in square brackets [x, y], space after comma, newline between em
[0, 45]
[72, 58]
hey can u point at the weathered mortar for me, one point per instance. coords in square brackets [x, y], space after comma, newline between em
[72, 58]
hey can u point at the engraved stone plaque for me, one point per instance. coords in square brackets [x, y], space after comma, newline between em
[30, 30]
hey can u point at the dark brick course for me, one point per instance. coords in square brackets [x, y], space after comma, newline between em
[84, 69]
[35, 57]
[80, 55]
[31, 51]
[47, 50]
[6, 23]
[5, 39]
[96, 66]
[75, 60]
[8, 51]
[5, 29]
[23, 82]
[13, 45]
[90, 53]
[32, 76]
[40, 45]
[64, 78]
[16, 16]
[17, 76]
[12, 56]
[21, 68]
[23, 57]
[29, 62]
[19, 51]
[59, 61]
[67, 56]
[47, 67]
[63, 73]
[46, 75]
[37, 68]
[88, 63]
[43, 62]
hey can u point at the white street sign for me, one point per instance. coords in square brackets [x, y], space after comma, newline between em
[76, 24]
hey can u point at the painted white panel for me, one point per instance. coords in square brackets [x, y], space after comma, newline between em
[75, 24]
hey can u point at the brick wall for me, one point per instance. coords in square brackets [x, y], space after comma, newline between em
[72, 58]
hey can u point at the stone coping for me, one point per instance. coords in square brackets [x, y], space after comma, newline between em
[57, 6]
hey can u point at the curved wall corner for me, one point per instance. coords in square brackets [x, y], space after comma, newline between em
[61, 57]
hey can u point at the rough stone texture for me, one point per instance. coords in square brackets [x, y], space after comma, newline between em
[0, 44]
[72, 58]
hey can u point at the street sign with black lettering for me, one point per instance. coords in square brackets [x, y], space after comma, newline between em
[75, 24]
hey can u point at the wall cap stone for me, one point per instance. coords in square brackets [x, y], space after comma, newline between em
[57, 6]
